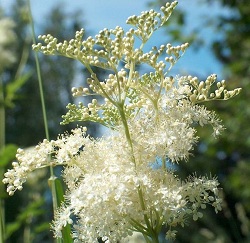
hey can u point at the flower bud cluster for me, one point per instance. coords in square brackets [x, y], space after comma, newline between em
[80, 91]
[114, 87]
[149, 21]
[200, 91]
[109, 47]
[81, 112]
[115, 84]
[174, 52]
[105, 114]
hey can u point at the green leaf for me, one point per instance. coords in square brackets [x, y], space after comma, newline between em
[43, 227]
[33, 209]
[66, 232]
[59, 191]
[7, 154]
[13, 87]
[11, 228]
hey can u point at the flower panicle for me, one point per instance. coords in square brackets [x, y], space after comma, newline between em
[55, 152]
[149, 21]
[109, 48]
[210, 89]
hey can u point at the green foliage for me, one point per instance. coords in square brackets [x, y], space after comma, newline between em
[238, 183]
[60, 190]
[7, 154]
[23, 219]
[12, 88]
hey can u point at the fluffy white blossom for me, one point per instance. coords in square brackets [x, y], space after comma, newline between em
[106, 198]
[47, 153]
[105, 184]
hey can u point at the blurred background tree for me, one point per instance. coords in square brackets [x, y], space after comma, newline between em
[228, 157]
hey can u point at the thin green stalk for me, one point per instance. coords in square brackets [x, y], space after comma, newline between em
[39, 75]
[127, 133]
[98, 82]
[2, 218]
[153, 234]
[2, 144]
[2, 116]
[23, 59]
[53, 186]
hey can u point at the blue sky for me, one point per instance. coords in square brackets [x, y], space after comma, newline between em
[99, 14]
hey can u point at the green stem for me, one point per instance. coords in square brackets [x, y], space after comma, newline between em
[151, 231]
[2, 144]
[39, 75]
[53, 186]
[98, 82]
[153, 238]
[2, 116]
[24, 58]
[2, 218]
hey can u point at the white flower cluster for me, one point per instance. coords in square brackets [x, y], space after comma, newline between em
[110, 190]
[42, 155]
[121, 183]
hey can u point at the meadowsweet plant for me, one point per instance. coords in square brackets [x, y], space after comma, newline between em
[121, 182]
